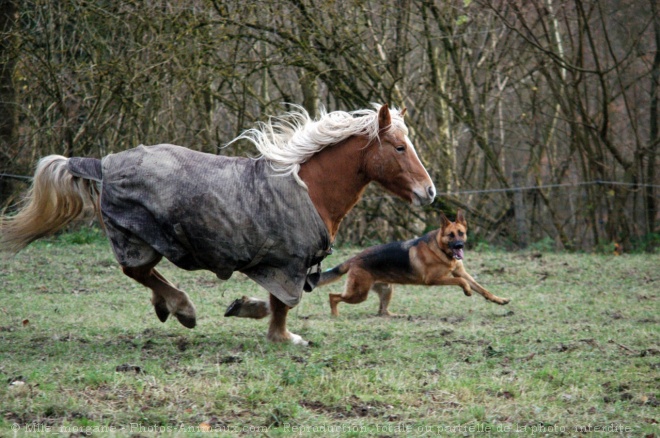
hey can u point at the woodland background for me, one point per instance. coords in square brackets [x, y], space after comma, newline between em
[558, 98]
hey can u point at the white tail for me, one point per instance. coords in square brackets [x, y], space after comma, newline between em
[55, 198]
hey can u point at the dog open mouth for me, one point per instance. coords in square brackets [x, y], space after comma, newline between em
[457, 253]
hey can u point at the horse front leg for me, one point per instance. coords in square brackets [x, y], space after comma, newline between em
[166, 298]
[248, 307]
[277, 331]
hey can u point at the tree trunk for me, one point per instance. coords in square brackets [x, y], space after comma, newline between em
[310, 91]
[8, 114]
[654, 134]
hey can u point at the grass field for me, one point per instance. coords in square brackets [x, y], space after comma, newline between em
[576, 353]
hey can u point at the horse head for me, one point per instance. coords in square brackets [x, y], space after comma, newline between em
[391, 161]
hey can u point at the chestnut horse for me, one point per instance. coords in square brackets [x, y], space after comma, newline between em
[168, 201]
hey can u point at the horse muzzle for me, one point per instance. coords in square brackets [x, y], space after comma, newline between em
[423, 196]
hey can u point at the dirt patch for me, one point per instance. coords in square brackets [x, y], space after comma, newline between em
[126, 368]
[230, 359]
[354, 408]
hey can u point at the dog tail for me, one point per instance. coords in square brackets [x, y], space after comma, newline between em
[332, 275]
[57, 197]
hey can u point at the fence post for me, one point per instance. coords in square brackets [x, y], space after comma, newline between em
[519, 209]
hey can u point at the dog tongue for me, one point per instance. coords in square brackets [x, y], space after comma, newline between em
[458, 253]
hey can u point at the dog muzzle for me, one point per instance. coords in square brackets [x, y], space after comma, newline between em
[457, 249]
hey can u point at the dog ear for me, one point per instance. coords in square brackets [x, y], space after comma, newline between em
[443, 220]
[460, 218]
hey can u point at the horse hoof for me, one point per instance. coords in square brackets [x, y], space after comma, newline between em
[234, 309]
[186, 321]
[288, 337]
[161, 311]
[247, 307]
[298, 340]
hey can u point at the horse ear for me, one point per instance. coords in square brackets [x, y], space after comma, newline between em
[460, 218]
[384, 118]
[403, 112]
[443, 220]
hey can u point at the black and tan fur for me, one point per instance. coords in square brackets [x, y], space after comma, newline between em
[434, 259]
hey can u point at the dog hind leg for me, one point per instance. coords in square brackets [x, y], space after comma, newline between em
[357, 289]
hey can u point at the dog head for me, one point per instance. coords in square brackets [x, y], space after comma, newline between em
[452, 235]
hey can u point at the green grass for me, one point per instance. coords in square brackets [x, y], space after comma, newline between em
[577, 349]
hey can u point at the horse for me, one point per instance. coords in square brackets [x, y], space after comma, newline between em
[273, 217]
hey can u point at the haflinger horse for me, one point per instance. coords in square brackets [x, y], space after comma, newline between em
[273, 218]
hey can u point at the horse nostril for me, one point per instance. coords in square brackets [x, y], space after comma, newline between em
[431, 191]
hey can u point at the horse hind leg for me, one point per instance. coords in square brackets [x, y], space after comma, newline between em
[248, 307]
[166, 298]
[277, 331]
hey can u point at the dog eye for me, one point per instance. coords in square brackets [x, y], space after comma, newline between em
[460, 233]
[452, 235]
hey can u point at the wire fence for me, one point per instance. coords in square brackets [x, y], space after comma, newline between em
[11, 175]
[476, 191]
[539, 187]
[569, 224]
[550, 186]
[570, 217]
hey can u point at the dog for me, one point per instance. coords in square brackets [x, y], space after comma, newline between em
[434, 259]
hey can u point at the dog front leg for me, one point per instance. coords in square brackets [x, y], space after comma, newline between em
[480, 289]
[451, 281]
[487, 295]
[384, 291]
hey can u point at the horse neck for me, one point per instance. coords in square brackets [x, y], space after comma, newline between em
[336, 179]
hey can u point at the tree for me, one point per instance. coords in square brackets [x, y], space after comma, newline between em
[8, 104]
[559, 94]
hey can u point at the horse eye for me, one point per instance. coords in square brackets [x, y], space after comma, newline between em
[401, 149]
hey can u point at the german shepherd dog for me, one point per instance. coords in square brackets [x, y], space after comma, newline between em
[435, 259]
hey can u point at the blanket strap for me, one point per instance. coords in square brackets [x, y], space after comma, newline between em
[314, 272]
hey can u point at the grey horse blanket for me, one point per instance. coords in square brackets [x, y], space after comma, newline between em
[204, 211]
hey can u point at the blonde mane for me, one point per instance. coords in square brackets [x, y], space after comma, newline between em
[289, 140]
